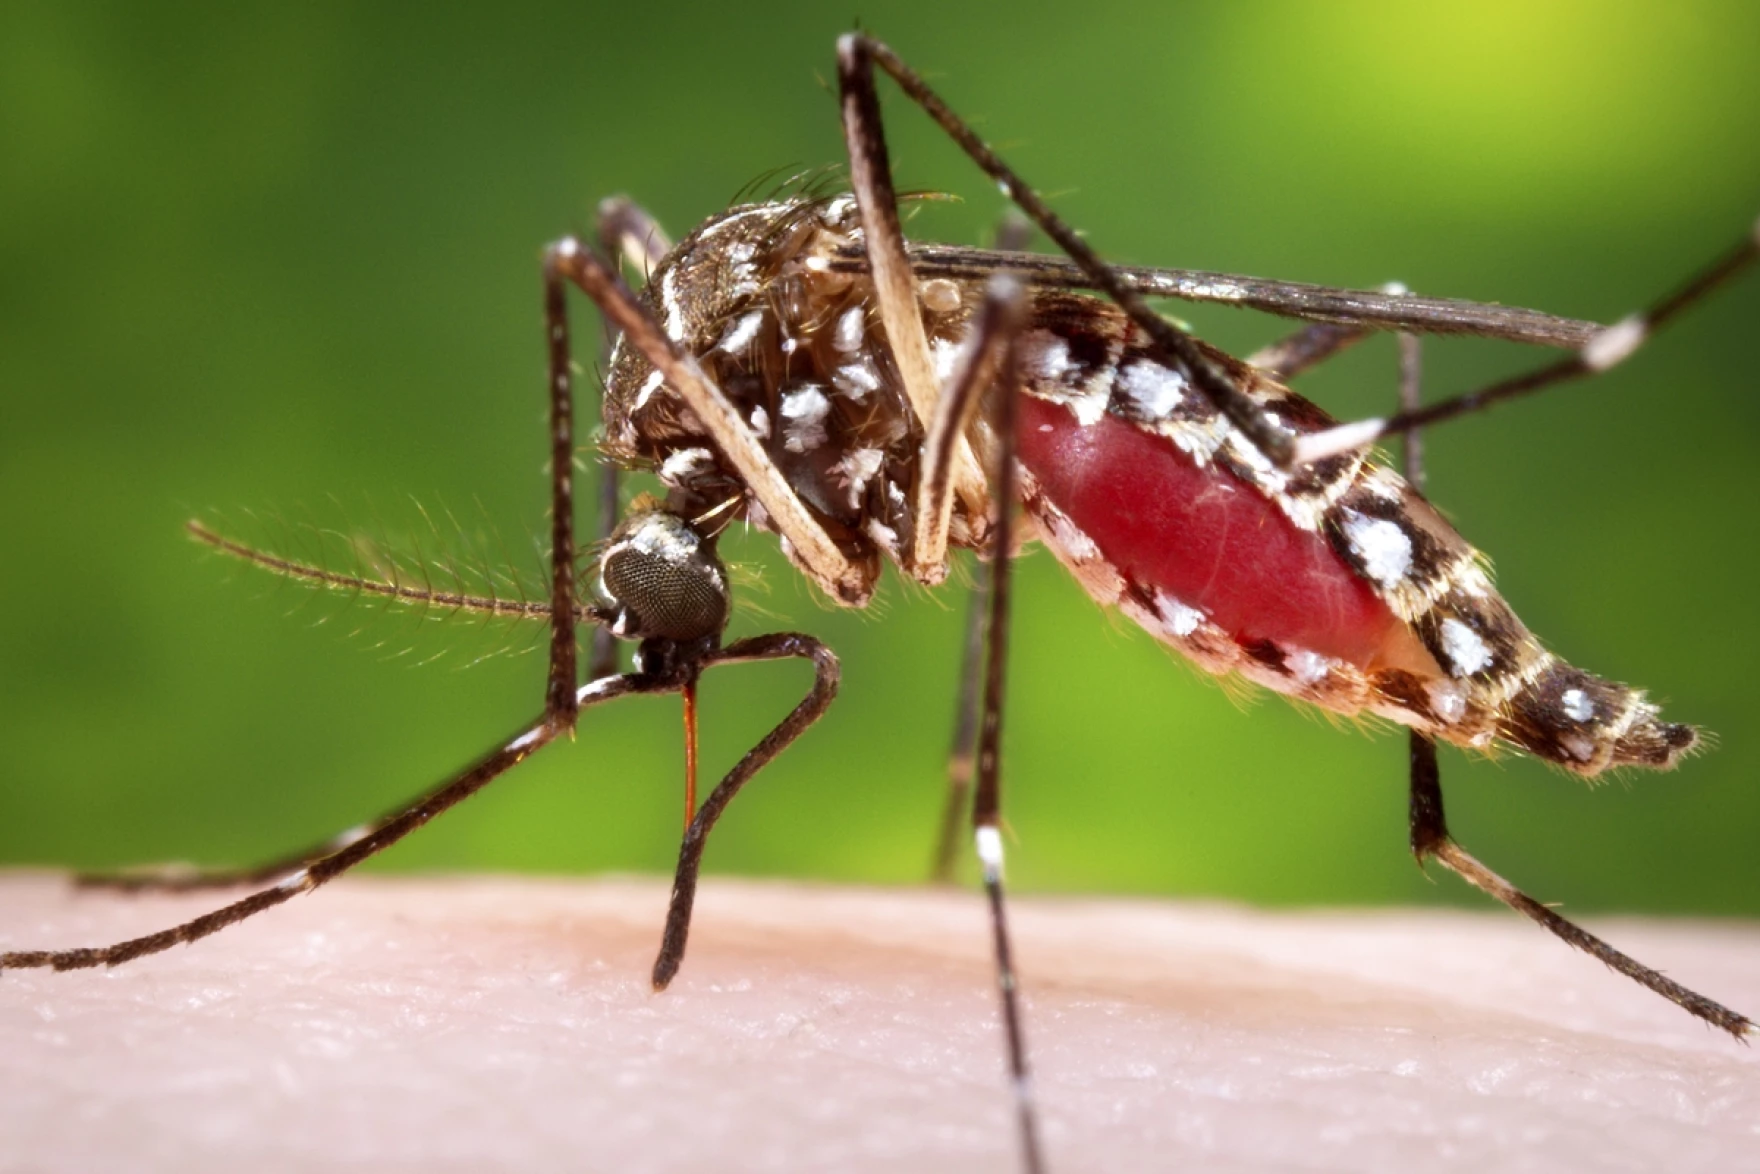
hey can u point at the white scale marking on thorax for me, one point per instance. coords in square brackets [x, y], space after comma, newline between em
[669, 303]
[803, 418]
[856, 379]
[681, 464]
[739, 336]
[851, 327]
[649, 386]
[856, 469]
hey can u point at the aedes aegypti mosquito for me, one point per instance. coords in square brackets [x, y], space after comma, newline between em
[797, 365]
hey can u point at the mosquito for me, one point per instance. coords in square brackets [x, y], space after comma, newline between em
[797, 365]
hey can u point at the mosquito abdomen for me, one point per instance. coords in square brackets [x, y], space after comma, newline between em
[1337, 584]
[1206, 539]
[1588, 725]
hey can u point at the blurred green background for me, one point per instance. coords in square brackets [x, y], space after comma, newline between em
[262, 257]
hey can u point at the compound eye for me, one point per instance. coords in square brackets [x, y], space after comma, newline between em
[659, 578]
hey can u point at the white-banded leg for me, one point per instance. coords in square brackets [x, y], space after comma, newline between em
[1430, 839]
[1012, 234]
[994, 329]
[1308, 347]
[1607, 349]
[308, 871]
[987, 797]
[625, 231]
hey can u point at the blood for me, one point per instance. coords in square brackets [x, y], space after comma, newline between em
[1206, 537]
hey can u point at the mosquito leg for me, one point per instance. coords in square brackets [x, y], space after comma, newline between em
[961, 753]
[857, 55]
[560, 707]
[1427, 823]
[1608, 348]
[690, 853]
[1014, 232]
[1411, 398]
[1429, 826]
[987, 800]
[997, 324]
[813, 549]
[1430, 839]
[369, 841]
[1312, 345]
[895, 288]
[625, 230]
[602, 654]
[183, 879]
[1305, 349]
[177, 878]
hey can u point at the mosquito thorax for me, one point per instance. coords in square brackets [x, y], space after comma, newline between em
[797, 346]
[658, 578]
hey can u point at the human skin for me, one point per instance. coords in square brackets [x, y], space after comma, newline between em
[499, 1024]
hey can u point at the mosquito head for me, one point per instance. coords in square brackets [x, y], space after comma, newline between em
[657, 577]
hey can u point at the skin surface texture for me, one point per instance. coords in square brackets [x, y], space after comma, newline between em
[497, 1024]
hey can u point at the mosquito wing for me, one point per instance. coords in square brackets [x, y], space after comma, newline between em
[1368, 309]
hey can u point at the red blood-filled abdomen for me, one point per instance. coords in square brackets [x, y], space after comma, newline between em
[1205, 537]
